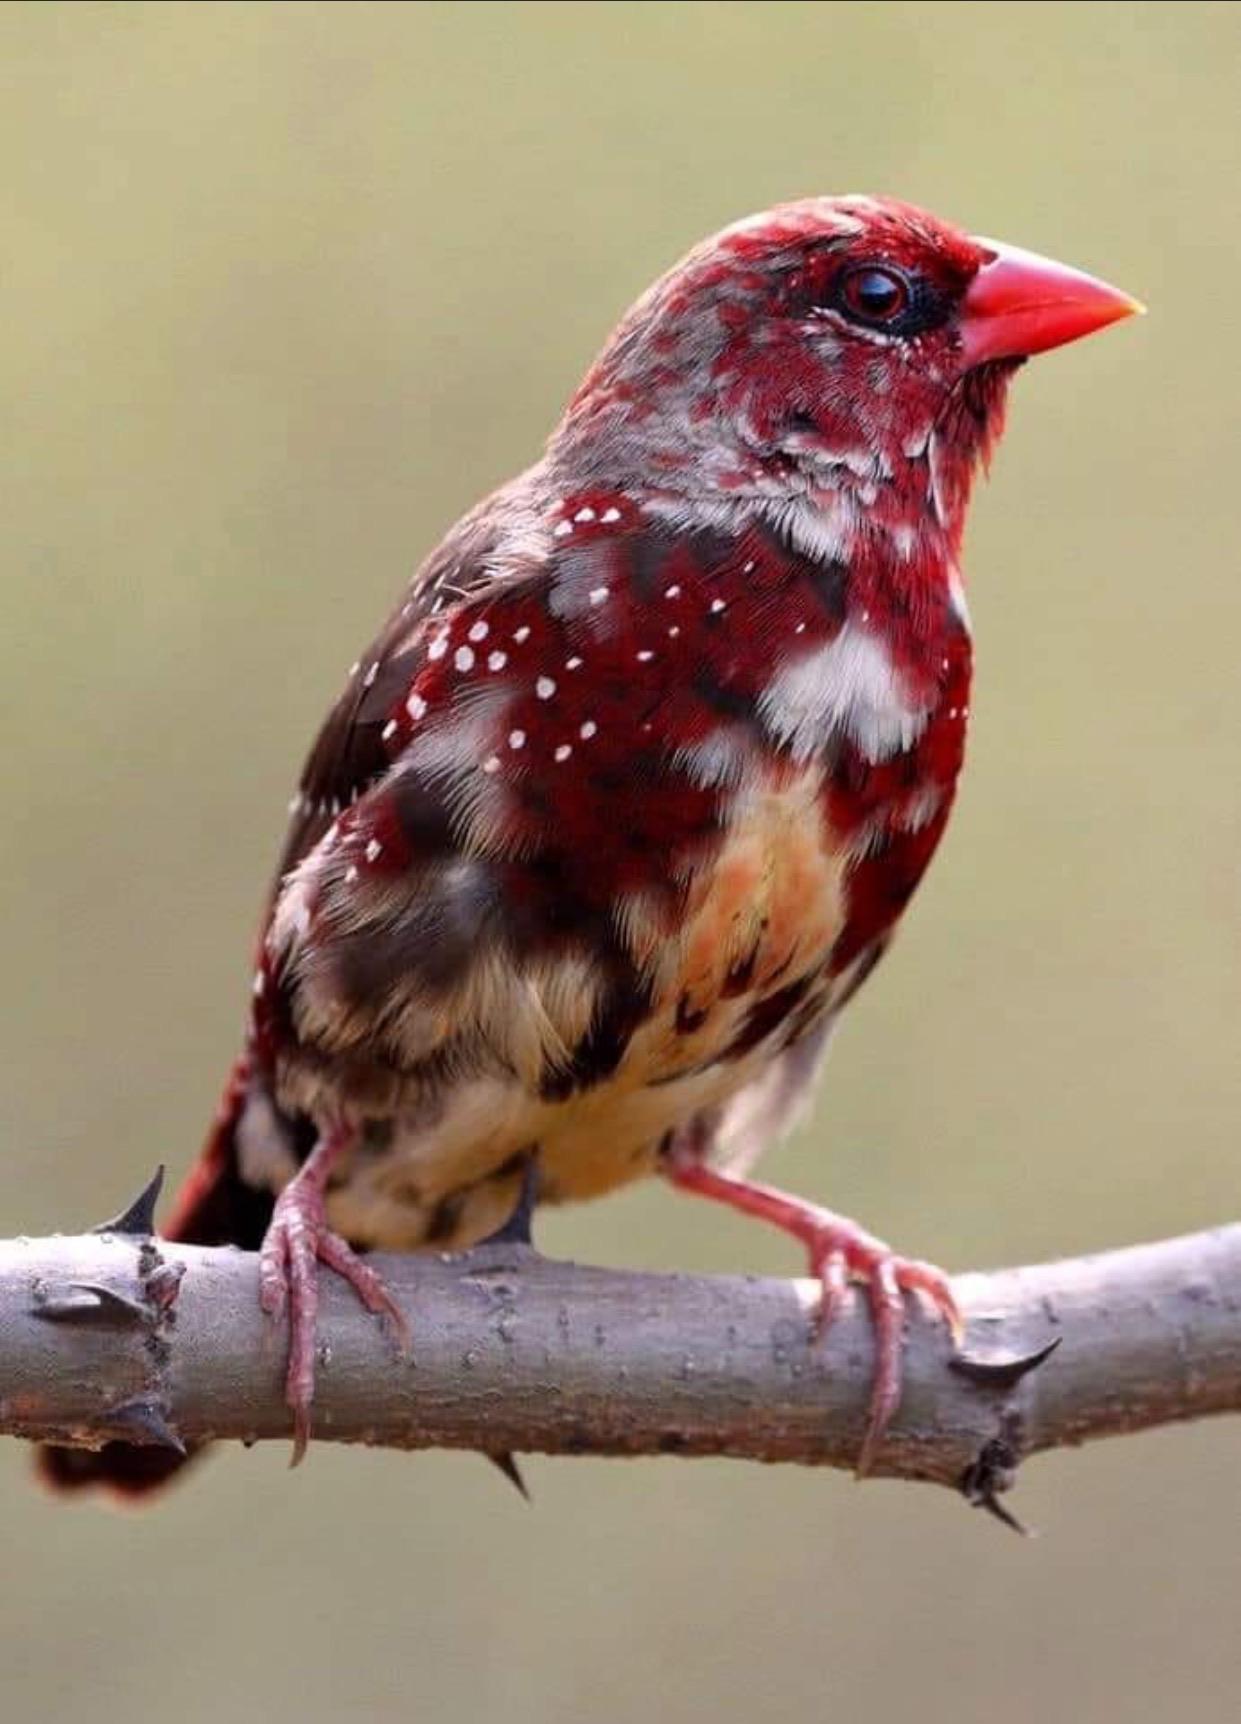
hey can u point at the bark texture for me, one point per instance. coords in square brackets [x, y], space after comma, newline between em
[117, 1334]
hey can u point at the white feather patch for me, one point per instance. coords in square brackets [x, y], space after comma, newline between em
[850, 687]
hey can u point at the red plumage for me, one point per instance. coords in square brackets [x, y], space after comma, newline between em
[626, 799]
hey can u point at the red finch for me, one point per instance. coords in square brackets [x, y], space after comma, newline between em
[626, 799]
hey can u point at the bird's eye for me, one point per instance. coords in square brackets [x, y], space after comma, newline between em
[869, 294]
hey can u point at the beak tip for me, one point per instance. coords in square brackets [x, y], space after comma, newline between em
[1122, 308]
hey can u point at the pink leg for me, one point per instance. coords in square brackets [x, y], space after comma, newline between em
[298, 1239]
[839, 1250]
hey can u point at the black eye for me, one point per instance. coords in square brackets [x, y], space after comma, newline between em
[869, 294]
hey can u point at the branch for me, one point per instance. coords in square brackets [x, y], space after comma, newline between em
[515, 1352]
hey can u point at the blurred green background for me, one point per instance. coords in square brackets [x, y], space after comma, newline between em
[285, 287]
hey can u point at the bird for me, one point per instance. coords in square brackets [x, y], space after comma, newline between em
[625, 801]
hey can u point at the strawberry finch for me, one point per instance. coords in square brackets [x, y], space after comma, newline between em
[624, 802]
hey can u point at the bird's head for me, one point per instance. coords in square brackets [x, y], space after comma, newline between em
[852, 350]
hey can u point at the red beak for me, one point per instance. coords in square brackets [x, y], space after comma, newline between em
[1020, 303]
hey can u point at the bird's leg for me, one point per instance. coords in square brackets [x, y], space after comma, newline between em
[518, 1228]
[839, 1251]
[297, 1240]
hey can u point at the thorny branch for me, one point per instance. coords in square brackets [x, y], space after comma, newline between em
[118, 1334]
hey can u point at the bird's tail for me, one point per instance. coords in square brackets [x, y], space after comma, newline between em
[213, 1207]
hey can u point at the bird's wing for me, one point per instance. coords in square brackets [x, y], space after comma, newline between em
[349, 754]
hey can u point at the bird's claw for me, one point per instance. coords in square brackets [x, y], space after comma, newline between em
[841, 1252]
[298, 1239]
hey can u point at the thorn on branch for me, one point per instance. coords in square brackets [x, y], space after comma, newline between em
[994, 1471]
[138, 1220]
[1002, 1373]
[84, 1301]
[507, 1464]
[143, 1421]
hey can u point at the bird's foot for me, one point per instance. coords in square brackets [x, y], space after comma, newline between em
[297, 1240]
[840, 1252]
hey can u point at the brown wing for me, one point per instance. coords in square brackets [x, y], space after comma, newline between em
[349, 755]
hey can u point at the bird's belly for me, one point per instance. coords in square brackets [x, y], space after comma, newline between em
[747, 971]
[453, 1186]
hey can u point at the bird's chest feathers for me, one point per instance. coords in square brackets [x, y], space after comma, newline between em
[826, 833]
[761, 910]
[827, 830]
